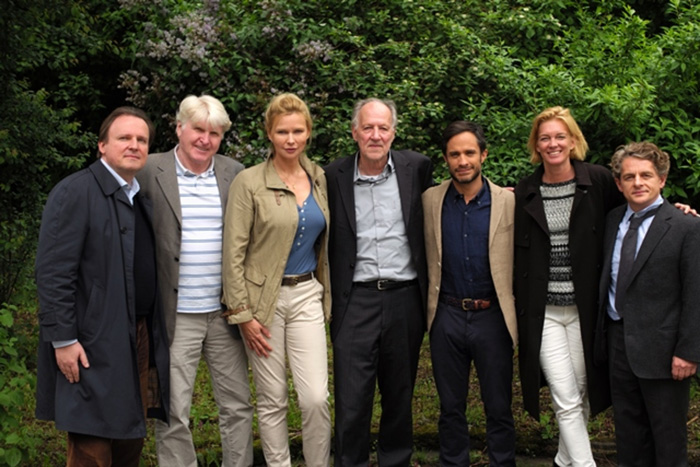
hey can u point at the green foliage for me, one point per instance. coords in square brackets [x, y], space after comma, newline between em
[17, 443]
[498, 63]
[40, 138]
[628, 70]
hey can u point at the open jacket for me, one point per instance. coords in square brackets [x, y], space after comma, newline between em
[596, 194]
[258, 241]
[414, 173]
[159, 183]
[500, 249]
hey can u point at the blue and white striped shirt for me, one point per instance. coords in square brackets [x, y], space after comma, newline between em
[199, 285]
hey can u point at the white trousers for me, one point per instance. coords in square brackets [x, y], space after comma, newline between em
[207, 335]
[298, 331]
[563, 364]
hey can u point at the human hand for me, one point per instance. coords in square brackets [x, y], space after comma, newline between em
[686, 209]
[256, 335]
[67, 359]
[682, 369]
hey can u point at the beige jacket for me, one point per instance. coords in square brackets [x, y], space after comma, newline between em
[500, 249]
[261, 223]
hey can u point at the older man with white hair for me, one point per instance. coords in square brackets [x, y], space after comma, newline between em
[188, 186]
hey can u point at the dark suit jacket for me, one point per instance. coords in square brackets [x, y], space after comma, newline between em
[85, 283]
[414, 172]
[159, 184]
[662, 313]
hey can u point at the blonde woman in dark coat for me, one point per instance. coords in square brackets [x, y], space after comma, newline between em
[559, 220]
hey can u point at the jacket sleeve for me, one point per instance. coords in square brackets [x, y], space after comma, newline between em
[60, 250]
[688, 344]
[240, 217]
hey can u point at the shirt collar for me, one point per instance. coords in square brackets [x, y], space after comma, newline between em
[130, 190]
[628, 213]
[372, 179]
[480, 196]
[182, 170]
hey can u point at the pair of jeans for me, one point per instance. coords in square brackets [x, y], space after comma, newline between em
[564, 366]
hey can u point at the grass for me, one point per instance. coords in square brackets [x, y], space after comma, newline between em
[536, 442]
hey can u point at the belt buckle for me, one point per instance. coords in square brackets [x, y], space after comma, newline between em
[292, 280]
[382, 284]
[467, 304]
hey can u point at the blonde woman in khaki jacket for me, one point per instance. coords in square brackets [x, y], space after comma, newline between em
[276, 281]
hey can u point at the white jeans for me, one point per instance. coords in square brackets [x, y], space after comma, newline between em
[563, 364]
[298, 330]
[207, 335]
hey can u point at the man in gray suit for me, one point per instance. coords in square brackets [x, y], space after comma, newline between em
[650, 299]
[188, 186]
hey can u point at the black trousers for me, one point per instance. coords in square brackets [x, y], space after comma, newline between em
[650, 414]
[378, 343]
[457, 338]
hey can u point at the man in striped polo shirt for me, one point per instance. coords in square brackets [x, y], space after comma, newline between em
[188, 186]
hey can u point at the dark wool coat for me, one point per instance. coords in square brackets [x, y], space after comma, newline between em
[84, 275]
[596, 194]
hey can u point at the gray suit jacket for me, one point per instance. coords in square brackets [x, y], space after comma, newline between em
[662, 313]
[500, 249]
[159, 184]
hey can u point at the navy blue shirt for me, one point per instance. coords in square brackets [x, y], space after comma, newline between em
[465, 245]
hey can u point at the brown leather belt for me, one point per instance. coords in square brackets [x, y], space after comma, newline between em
[385, 284]
[294, 280]
[467, 304]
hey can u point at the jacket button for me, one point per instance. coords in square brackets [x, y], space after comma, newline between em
[175, 290]
[177, 260]
[123, 230]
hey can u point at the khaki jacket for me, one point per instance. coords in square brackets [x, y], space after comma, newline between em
[263, 220]
[500, 249]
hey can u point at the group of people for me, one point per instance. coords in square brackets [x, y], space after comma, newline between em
[148, 263]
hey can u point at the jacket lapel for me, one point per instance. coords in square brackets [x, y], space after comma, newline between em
[167, 181]
[438, 201]
[533, 204]
[657, 230]
[224, 176]
[497, 210]
[404, 174]
[346, 190]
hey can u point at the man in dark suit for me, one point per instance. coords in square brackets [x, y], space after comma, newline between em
[378, 284]
[188, 186]
[103, 352]
[650, 299]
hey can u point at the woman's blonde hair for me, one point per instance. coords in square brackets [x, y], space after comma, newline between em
[563, 115]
